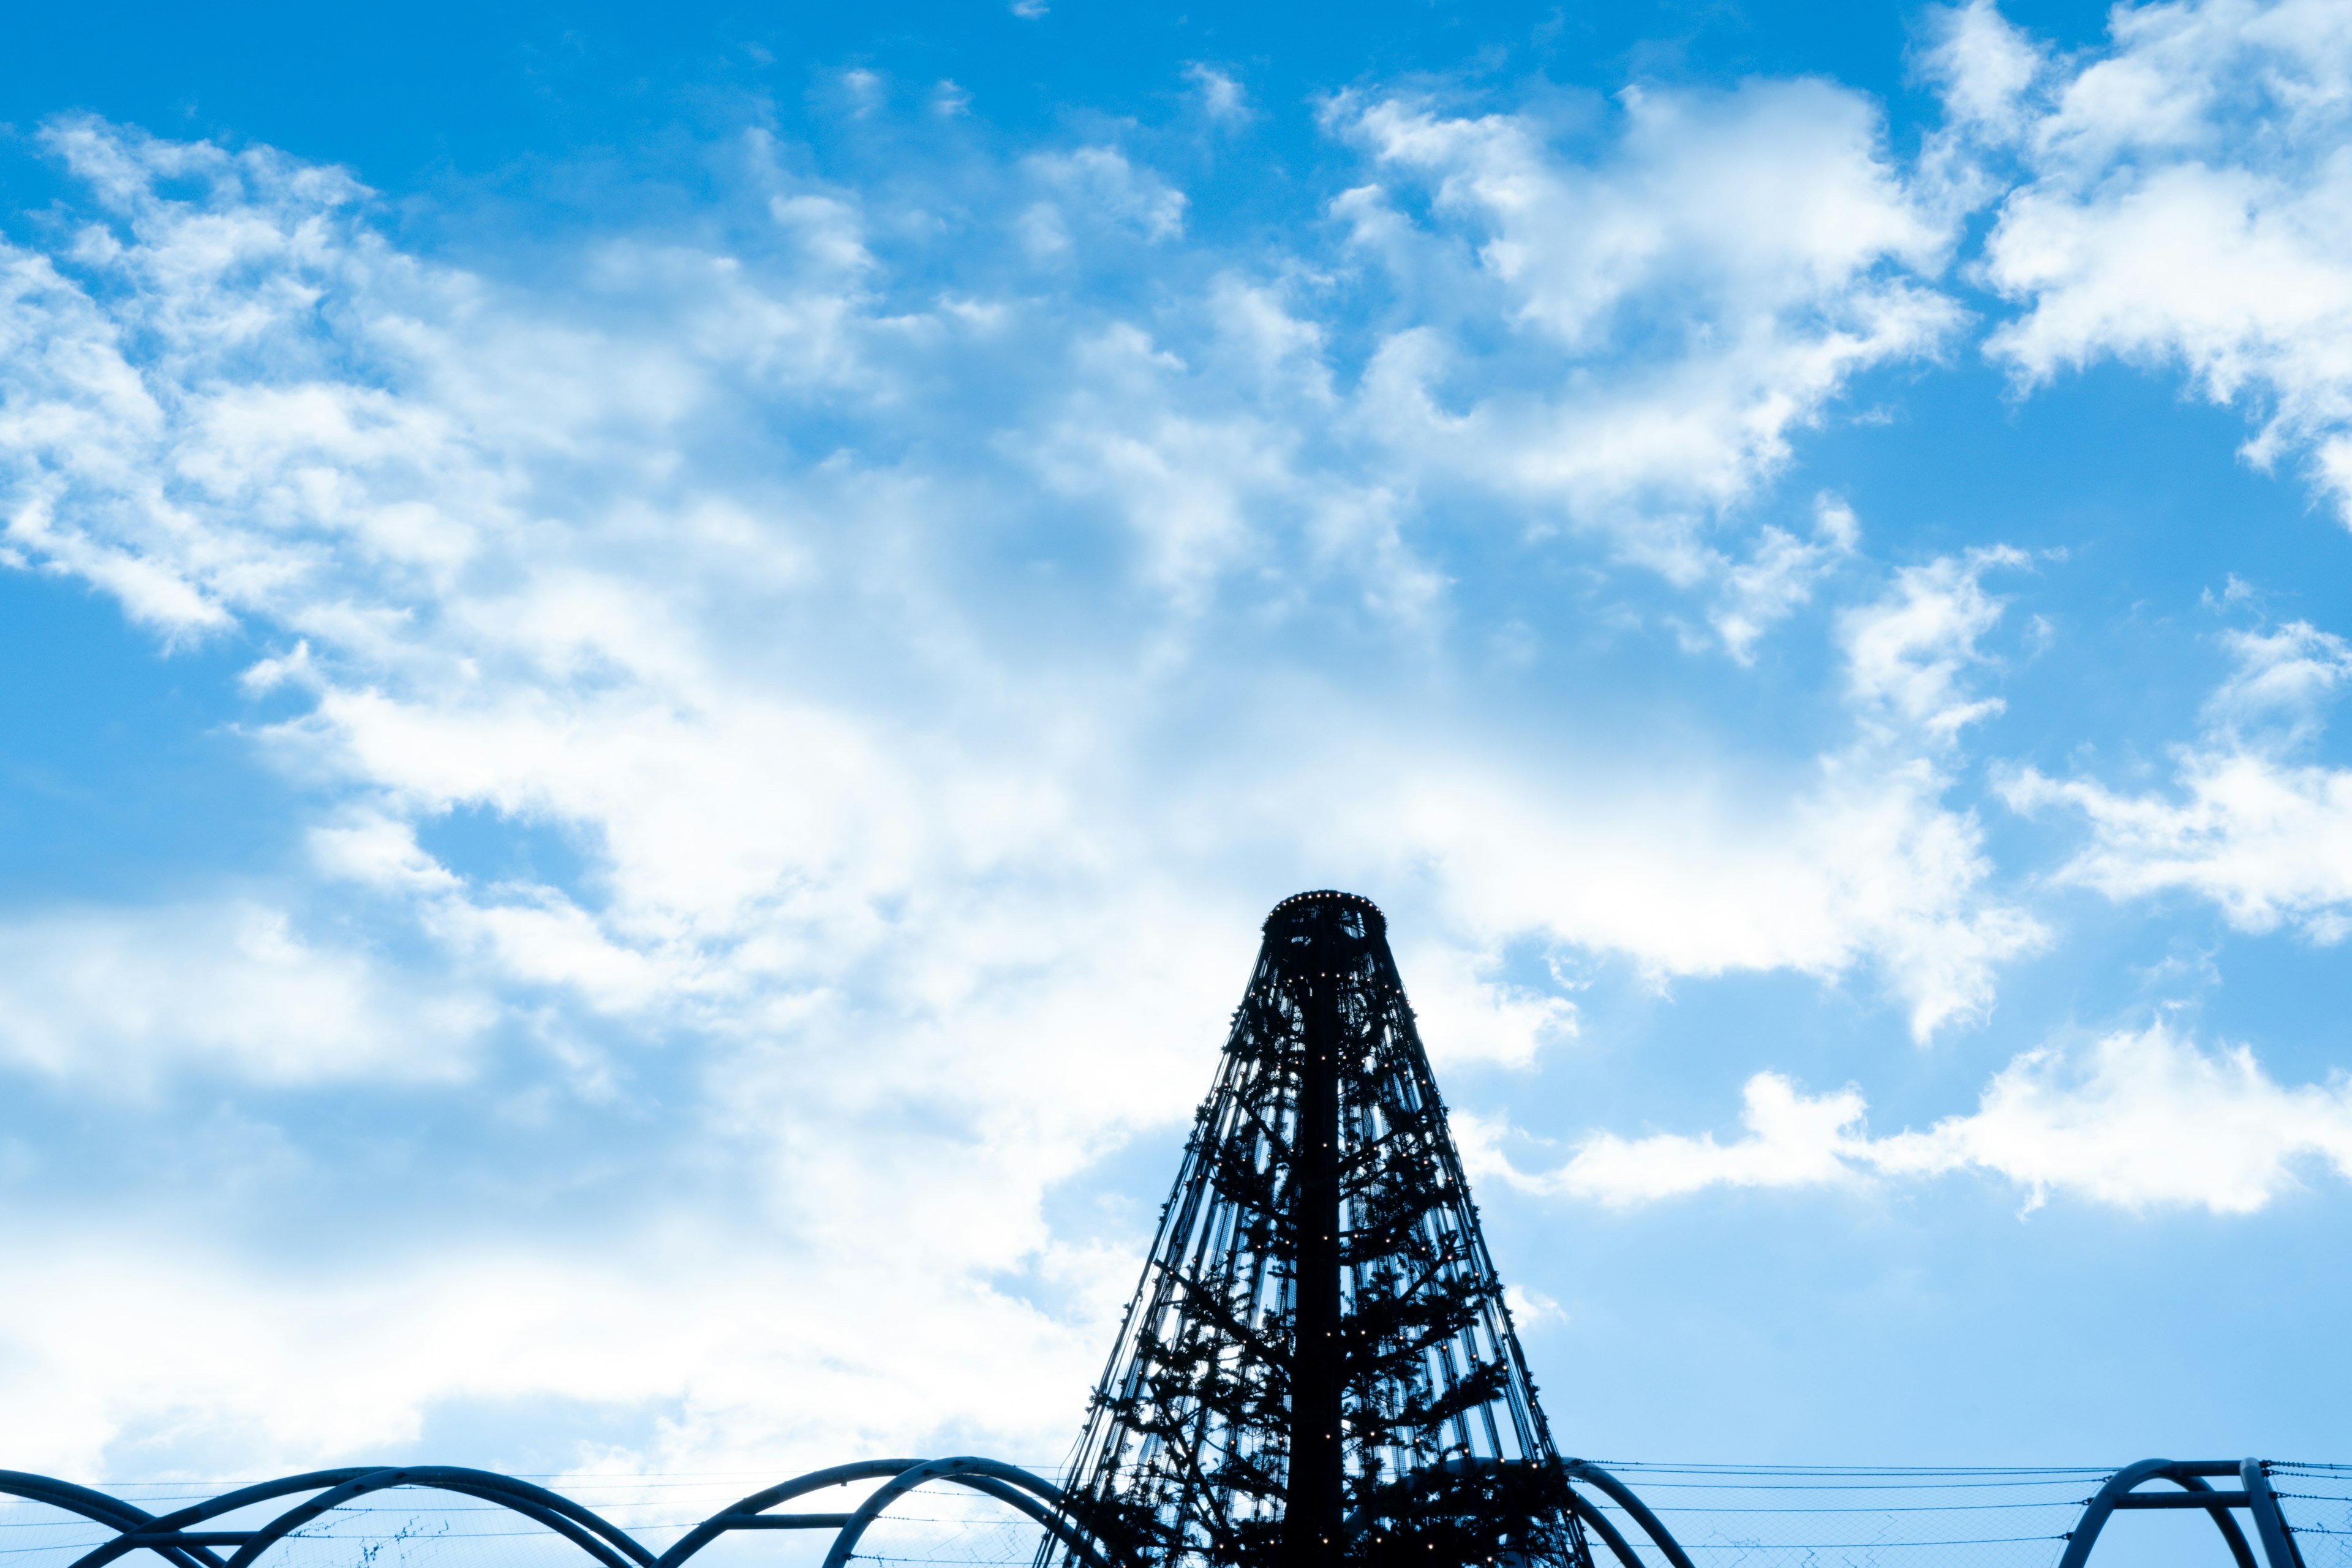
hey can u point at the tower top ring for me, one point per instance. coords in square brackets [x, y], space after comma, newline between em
[1375, 923]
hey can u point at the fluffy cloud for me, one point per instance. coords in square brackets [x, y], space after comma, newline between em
[1779, 575]
[2137, 1120]
[2268, 840]
[934, 683]
[2266, 837]
[522, 585]
[785, 1367]
[1851, 858]
[2183, 200]
[1759, 247]
[111, 999]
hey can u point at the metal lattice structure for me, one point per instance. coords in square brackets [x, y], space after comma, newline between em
[1318, 1366]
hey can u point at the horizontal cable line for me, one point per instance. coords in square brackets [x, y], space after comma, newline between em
[366, 1505]
[1858, 1507]
[1702, 1465]
[678, 1482]
[1648, 1484]
[1850, 1545]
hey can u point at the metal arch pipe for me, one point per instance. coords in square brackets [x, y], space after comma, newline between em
[957, 1468]
[2278, 1543]
[2219, 1512]
[213, 1508]
[100, 1507]
[522, 1497]
[1055, 1521]
[1586, 1510]
[1623, 1496]
[1578, 1503]
[2102, 1506]
[518, 1496]
[759, 1502]
[558, 1513]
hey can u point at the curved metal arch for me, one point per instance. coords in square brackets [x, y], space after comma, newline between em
[1639, 1511]
[2278, 1541]
[213, 1508]
[100, 1507]
[1585, 1508]
[736, 1515]
[2188, 1475]
[576, 1523]
[969, 1470]
[2219, 1514]
[560, 1514]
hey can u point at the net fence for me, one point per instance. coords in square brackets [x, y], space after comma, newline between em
[1728, 1516]
[2317, 1502]
[1724, 1516]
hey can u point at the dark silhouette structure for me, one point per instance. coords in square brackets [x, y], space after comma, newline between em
[1318, 1366]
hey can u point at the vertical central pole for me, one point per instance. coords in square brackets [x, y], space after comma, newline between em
[1311, 1514]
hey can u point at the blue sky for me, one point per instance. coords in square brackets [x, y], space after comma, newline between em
[658, 668]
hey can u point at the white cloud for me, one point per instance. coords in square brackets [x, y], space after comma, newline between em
[1222, 97]
[1779, 575]
[2184, 202]
[512, 583]
[1757, 246]
[1983, 67]
[2283, 674]
[2148, 1120]
[2268, 840]
[1906, 654]
[1793, 1140]
[784, 1366]
[1466, 1012]
[2138, 1121]
[112, 1000]
[1101, 183]
[926, 783]
[1851, 860]
[2267, 837]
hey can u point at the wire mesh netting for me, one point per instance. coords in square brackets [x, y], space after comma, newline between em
[2317, 1502]
[1837, 1517]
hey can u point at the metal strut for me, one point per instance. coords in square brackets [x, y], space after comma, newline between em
[1311, 1528]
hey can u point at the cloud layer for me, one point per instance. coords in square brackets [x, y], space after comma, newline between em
[2181, 201]
[807, 704]
[2138, 1119]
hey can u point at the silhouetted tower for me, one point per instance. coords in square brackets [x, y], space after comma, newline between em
[1317, 1367]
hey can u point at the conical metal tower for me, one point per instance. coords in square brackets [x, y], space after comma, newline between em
[1317, 1367]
